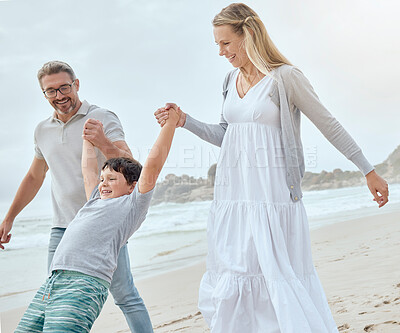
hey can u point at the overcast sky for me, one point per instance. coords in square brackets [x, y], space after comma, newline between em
[133, 56]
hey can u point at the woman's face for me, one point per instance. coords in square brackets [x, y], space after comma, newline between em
[231, 46]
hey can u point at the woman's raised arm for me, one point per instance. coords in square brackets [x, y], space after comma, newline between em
[212, 133]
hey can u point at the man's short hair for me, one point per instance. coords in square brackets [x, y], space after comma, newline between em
[55, 67]
[129, 168]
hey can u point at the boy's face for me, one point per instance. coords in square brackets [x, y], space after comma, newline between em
[113, 184]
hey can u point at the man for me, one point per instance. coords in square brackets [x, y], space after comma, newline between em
[58, 148]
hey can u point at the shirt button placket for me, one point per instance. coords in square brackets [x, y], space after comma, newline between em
[63, 134]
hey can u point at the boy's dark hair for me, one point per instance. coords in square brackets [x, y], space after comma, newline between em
[129, 168]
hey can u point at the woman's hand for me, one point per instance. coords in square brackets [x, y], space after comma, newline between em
[162, 114]
[378, 187]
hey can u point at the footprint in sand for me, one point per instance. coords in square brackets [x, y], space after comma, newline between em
[380, 326]
[343, 327]
[335, 301]
[190, 316]
[369, 328]
[386, 302]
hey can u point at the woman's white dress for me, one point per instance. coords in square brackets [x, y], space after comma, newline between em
[260, 276]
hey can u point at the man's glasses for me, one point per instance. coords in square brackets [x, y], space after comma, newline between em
[64, 89]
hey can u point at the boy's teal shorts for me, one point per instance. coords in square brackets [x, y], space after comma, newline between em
[67, 302]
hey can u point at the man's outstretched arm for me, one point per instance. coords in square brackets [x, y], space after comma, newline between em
[28, 189]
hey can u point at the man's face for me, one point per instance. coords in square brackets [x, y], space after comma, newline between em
[113, 184]
[66, 103]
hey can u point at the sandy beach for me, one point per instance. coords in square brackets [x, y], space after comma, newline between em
[357, 261]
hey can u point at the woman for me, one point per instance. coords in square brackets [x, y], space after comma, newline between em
[260, 276]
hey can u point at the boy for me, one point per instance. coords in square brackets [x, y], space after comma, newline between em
[83, 264]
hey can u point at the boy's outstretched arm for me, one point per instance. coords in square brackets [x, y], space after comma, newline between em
[90, 170]
[158, 154]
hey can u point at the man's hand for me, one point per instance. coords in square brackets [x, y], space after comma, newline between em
[93, 131]
[378, 187]
[28, 189]
[5, 235]
[162, 114]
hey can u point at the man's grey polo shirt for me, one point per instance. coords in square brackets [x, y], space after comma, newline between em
[60, 144]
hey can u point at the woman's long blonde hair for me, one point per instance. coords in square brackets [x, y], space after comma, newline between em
[259, 47]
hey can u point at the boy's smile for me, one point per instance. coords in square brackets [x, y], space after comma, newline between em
[113, 184]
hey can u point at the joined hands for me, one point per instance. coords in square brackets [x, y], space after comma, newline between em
[162, 114]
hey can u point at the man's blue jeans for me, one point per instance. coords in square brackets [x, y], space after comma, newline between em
[122, 287]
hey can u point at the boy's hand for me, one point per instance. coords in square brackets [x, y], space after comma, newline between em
[173, 116]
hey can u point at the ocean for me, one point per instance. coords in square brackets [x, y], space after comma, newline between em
[173, 236]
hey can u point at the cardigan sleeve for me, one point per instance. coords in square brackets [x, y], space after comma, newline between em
[212, 133]
[302, 95]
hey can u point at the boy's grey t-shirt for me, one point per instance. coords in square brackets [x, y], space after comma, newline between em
[92, 241]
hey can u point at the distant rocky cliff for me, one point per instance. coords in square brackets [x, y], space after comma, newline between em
[390, 168]
[185, 188]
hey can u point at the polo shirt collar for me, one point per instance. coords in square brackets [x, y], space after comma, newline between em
[83, 110]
